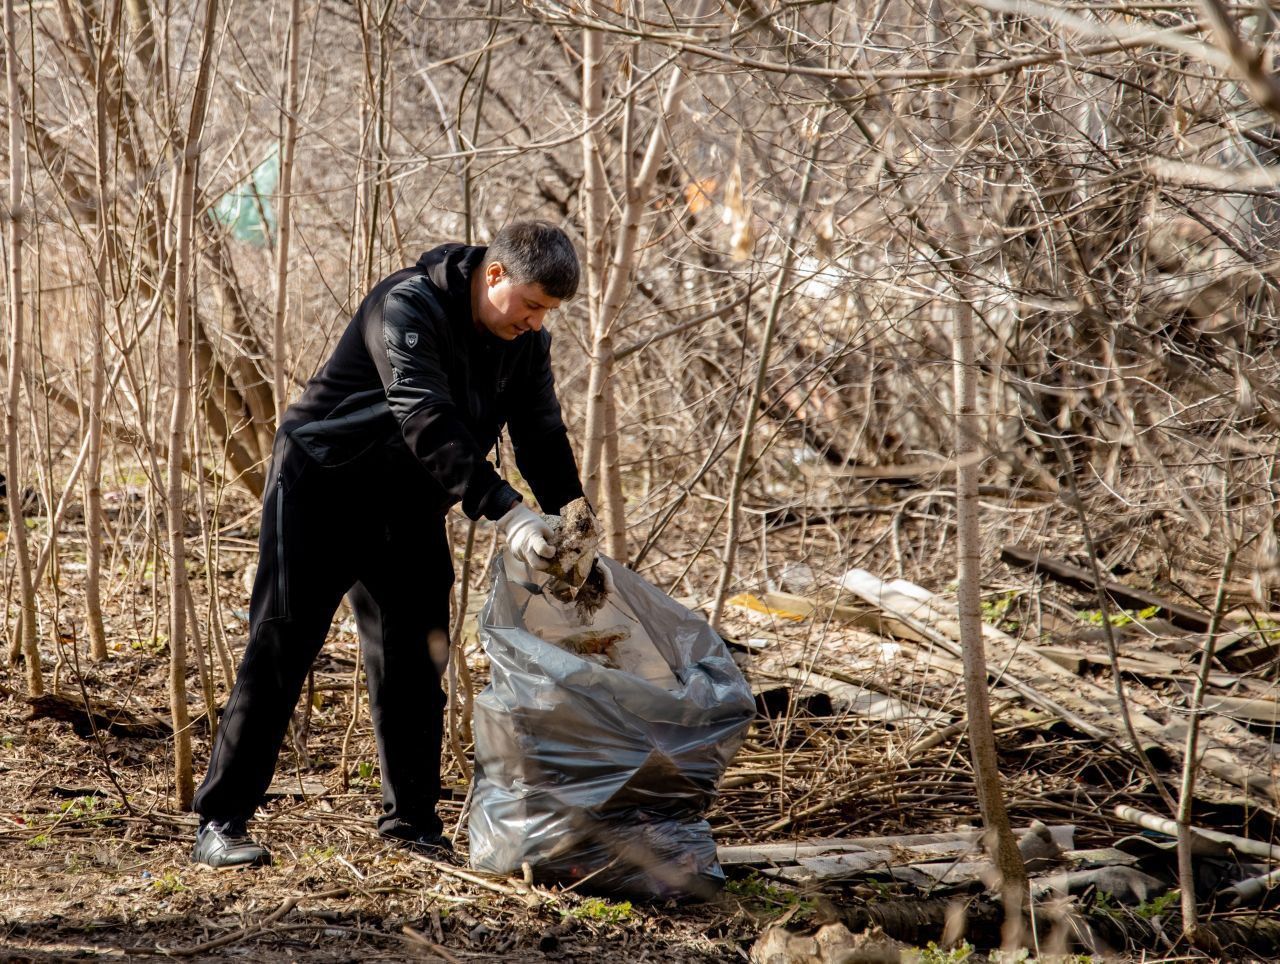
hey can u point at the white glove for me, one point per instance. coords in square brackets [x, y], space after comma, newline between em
[606, 577]
[528, 537]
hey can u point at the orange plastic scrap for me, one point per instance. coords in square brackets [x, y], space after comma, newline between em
[755, 604]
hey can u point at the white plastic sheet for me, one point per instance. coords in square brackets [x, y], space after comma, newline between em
[595, 774]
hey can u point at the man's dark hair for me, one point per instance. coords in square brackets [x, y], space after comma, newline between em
[537, 252]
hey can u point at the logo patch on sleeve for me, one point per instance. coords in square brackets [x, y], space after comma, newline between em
[411, 339]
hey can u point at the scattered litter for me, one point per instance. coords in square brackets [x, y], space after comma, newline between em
[758, 605]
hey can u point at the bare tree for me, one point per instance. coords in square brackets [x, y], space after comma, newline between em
[612, 263]
[185, 215]
[288, 143]
[104, 264]
[25, 630]
[982, 740]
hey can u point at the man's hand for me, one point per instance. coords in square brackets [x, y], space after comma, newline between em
[528, 537]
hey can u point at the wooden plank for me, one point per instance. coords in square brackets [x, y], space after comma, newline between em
[1145, 666]
[1127, 597]
[1080, 702]
[1099, 857]
[864, 702]
[792, 851]
[1255, 710]
[903, 875]
[758, 855]
[843, 865]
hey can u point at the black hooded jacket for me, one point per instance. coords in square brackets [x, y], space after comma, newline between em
[412, 375]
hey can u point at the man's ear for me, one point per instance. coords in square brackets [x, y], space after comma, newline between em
[493, 272]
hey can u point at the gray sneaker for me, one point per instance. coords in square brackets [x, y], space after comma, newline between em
[226, 843]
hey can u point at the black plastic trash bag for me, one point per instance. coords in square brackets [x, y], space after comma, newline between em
[595, 774]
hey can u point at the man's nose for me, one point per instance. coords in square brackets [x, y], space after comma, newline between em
[535, 319]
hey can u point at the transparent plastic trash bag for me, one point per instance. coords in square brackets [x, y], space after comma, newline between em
[592, 773]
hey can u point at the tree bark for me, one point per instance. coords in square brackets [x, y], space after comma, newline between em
[610, 284]
[103, 259]
[140, 14]
[184, 202]
[288, 141]
[595, 205]
[982, 740]
[25, 631]
[1191, 754]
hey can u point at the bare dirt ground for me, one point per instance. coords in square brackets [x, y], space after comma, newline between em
[94, 855]
[82, 876]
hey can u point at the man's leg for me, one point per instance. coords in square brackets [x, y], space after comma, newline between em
[303, 570]
[402, 611]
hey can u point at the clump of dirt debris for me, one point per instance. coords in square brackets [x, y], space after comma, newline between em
[574, 578]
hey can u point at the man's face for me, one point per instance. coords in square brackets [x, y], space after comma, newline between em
[508, 310]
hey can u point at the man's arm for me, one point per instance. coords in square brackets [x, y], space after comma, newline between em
[406, 348]
[539, 436]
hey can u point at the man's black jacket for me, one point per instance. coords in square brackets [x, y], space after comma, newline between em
[413, 371]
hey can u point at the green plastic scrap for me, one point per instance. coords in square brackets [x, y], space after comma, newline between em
[246, 209]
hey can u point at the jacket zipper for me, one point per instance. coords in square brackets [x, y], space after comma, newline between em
[497, 385]
[282, 584]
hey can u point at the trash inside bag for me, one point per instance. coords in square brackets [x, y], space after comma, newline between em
[599, 748]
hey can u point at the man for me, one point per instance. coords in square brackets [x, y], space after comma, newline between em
[395, 429]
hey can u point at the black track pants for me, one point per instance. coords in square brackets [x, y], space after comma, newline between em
[359, 529]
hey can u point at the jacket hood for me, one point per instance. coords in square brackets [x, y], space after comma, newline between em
[449, 267]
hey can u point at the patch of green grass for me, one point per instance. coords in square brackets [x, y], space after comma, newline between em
[1104, 903]
[80, 807]
[169, 883]
[755, 887]
[152, 647]
[933, 954]
[40, 840]
[882, 890]
[1122, 617]
[602, 911]
[995, 611]
[1268, 629]
[1158, 907]
[768, 896]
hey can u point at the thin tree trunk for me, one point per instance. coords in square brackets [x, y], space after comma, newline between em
[25, 631]
[288, 141]
[1191, 755]
[615, 501]
[457, 659]
[140, 14]
[740, 464]
[184, 783]
[104, 255]
[982, 740]
[595, 205]
[217, 634]
[610, 294]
